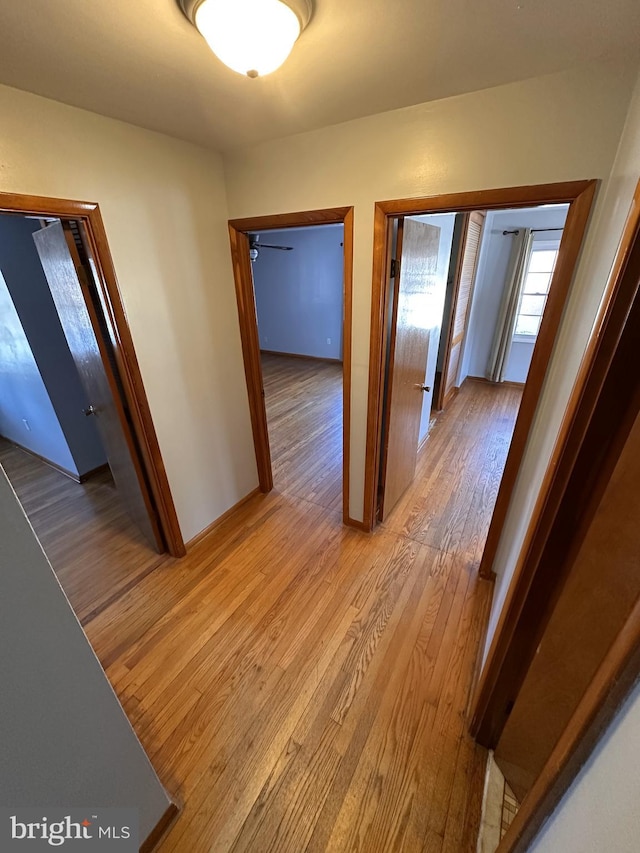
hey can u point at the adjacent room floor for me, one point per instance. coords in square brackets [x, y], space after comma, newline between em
[96, 551]
[303, 399]
[302, 686]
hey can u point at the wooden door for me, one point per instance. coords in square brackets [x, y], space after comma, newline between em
[461, 304]
[411, 323]
[602, 588]
[73, 300]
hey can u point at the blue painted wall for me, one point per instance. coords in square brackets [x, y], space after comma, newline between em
[299, 294]
[34, 304]
[27, 416]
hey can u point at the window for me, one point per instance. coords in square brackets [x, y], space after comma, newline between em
[537, 280]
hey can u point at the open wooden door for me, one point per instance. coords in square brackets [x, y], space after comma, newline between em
[73, 300]
[461, 303]
[416, 279]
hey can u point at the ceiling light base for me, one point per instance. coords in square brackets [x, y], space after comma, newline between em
[302, 8]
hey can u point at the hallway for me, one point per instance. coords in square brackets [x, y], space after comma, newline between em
[303, 686]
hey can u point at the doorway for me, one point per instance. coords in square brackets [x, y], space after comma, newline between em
[420, 304]
[298, 283]
[274, 369]
[74, 406]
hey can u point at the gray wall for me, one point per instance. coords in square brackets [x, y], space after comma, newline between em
[32, 298]
[299, 294]
[493, 266]
[26, 414]
[65, 738]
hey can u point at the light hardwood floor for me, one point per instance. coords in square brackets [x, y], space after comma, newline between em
[96, 551]
[303, 399]
[302, 686]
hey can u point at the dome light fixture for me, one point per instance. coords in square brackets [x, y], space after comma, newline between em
[252, 37]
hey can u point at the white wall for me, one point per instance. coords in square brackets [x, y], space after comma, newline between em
[519, 361]
[600, 810]
[27, 416]
[164, 206]
[445, 222]
[493, 266]
[65, 738]
[580, 313]
[299, 294]
[485, 139]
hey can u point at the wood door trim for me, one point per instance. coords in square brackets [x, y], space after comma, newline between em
[500, 677]
[85, 276]
[609, 688]
[326, 216]
[247, 316]
[88, 215]
[579, 195]
[390, 344]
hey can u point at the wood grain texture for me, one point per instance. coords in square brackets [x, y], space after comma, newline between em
[71, 474]
[415, 303]
[92, 230]
[326, 216]
[597, 709]
[531, 588]
[71, 294]
[94, 237]
[297, 684]
[495, 199]
[95, 548]
[601, 589]
[303, 399]
[580, 195]
[301, 686]
[154, 838]
[247, 313]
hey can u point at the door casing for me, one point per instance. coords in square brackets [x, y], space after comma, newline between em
[542, 571]
[579, 195]
[141, 428]
[239, 230]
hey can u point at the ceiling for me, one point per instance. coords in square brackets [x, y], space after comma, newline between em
[142, 61]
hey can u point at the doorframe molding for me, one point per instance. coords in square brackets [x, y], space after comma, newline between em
[89, 217]
[579, 195]
[248, 318]
[533, 587]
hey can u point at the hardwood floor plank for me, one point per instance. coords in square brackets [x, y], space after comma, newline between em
[303, 398]
[299, 685]
[73, 520]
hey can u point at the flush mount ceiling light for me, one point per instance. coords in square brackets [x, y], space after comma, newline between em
[253, 37]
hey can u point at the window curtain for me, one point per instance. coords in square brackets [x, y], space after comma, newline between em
[508, 314]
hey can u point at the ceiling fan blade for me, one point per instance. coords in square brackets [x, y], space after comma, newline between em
[267, 246]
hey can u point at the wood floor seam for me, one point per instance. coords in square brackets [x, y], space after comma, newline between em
[301, 686]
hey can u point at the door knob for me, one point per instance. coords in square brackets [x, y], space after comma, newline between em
[90, 411]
